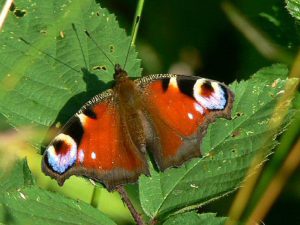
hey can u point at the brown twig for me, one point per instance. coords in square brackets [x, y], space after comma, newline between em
[136, 216]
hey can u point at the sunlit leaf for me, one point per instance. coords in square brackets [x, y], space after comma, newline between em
[293, 7]
[21, 202]
[60, 69]
[192, 218]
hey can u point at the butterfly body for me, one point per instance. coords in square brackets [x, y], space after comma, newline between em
[108, 139]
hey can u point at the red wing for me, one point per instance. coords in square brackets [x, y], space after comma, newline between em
[179, 108]
[94, 144]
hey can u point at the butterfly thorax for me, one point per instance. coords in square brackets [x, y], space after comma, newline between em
[125, 90]
[130, 108]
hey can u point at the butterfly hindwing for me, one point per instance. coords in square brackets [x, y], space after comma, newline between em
[94, 144]
[179, 109]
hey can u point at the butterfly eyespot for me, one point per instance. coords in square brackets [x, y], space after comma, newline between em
[210, 95]
[62, 153]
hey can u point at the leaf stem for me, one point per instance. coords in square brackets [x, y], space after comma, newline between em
[136, 216]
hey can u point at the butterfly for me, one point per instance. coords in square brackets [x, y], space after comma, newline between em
[166, 115]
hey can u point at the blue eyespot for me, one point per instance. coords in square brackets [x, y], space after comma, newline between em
[62, 154]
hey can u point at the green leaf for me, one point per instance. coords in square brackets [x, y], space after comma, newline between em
[228, 148]
[32, 205]
[39, 88]
[192, 218]
[18, 176]
[293, 7]
[28, 178]
[21, 202]
[271, 73]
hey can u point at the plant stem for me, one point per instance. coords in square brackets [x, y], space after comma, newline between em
[136, 22]
[135, 27]
[4, 12]
[136, 216]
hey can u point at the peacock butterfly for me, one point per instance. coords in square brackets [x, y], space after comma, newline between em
[165, 114]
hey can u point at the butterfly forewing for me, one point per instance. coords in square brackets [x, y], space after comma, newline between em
[178, 109]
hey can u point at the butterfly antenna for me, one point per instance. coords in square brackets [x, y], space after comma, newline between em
[80, 45]
[94, 41]
[133, 35]
[47, 54]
